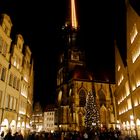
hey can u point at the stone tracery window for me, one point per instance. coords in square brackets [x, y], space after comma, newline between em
[82, 98]
[102, 97]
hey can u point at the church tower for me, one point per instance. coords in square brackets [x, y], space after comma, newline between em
[73, 80]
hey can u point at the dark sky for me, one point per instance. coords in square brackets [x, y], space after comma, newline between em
[40, 24]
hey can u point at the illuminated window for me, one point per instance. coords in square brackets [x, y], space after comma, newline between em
[75, 56]
[133, 82]
[127, 88]
[129, 104]
[136, 102]
[120, 80]
[119, 67]
[136, 52]
[60, 96]
[133, 33]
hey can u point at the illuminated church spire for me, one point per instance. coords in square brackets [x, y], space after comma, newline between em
[71, 20]
[73, 15]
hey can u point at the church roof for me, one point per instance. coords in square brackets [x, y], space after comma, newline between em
[81, 73]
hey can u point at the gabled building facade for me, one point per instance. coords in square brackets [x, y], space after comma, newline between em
[16, 91]
[49, 119]
[37, 118]
[128, 76]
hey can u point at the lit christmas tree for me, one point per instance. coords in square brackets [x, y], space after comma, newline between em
[92, 117]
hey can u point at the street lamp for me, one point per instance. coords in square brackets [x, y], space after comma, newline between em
[59, 128]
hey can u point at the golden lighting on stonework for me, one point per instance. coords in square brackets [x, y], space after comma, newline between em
[73, 14]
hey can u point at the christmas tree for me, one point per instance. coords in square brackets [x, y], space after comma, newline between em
[92, 118]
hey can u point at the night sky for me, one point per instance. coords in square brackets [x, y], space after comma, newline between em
[40, 24]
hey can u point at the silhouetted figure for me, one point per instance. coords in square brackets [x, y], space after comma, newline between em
[2, 135]
[8, 136]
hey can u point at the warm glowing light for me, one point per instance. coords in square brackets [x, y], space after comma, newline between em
[138, 83]
[131, 117]
[119, 67]
[23, 124]
[73, 14]
[138, 122]
[136, 54]
[133, 33]
[70, 92]
[15, 63]
[18, 124]
[25, 78]
[121, 79]
[22, 112]
[60, 96]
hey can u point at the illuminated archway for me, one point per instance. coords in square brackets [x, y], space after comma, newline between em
[13, 126]
[4, 125]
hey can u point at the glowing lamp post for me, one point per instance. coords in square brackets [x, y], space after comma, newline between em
[59, 127]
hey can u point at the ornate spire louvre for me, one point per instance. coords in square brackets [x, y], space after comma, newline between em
[73, 15]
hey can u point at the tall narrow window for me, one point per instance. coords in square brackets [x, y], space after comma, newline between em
[102, 97]
[18, 82]
[11, 102]
[0, 98]
[7, 101]
[3, 75]
[15, 82]
[1, 43]
[129, 104]
[4, 49]
[82, 98]
[0, 70]
[14, 104]
[11, 79]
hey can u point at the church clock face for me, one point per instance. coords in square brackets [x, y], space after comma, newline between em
[74, 56]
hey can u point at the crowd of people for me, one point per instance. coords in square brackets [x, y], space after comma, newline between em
[94, 134]
[8, 136]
